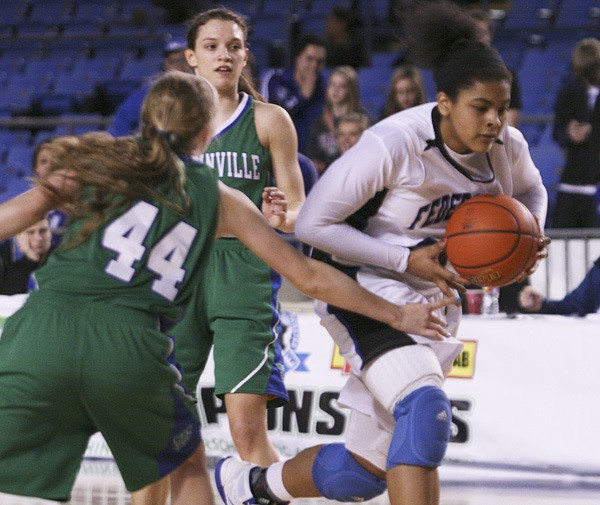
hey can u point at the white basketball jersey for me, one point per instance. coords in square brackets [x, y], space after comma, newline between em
[406, 183]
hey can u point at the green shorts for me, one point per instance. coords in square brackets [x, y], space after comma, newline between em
[68, 370]
[241, 314]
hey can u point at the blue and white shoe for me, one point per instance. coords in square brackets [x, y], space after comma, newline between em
[232, 477]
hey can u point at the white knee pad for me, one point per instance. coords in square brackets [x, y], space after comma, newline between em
[399, 372]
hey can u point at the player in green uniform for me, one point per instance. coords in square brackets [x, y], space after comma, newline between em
[255, 144]
[85, 352]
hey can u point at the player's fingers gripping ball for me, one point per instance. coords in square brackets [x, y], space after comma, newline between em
[492, 239]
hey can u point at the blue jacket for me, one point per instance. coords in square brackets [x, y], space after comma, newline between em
[584, 299]
[279, 87]
[126, 119]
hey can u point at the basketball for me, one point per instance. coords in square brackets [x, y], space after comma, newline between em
[492, 239]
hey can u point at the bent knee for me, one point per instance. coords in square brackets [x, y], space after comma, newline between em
[422, 429]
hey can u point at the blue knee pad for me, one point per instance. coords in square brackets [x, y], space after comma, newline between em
[422, 429]
[338, 476]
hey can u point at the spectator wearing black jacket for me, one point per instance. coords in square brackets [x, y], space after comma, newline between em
[577, 129]
[21, 255]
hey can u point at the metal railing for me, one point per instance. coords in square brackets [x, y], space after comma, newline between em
[570, 255]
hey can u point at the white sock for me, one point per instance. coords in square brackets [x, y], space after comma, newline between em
[275, 481]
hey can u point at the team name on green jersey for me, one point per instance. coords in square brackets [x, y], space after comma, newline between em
[236, 165]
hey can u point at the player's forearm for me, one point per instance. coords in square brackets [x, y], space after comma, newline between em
[24, 211]
[325, 283]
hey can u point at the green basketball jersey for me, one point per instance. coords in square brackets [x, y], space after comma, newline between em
[147, 258]
[237, 156]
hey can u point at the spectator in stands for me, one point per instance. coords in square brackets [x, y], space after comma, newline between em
[343, 39]
[300, 89]
[349, 130]
[584, 299]
[126, 119]
[406, 90]
[486, 35]
[342, 97]
[577, 129]
[21, 255]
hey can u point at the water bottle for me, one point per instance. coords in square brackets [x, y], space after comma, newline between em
[490, 306]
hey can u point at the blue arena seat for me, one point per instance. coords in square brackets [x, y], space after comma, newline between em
[19, 159]
[533, 14]
[549, 158]
[139, 69]
[100, 65]
[322, 7]
[78, 87]
[83, 29]
[15, 186]
[374, 82]
[579, 14]
[247, 8]
[37, 30]
[532, 132]
[10, 137]
[12, 63]
[16, 97]
[54, 104]
[50, 12]
[95, 12]
[274, 26]
[141, 9]
[117, 90]
[13, 13]
[313, 22]
[52, 65]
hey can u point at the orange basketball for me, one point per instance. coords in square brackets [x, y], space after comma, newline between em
[492, 239]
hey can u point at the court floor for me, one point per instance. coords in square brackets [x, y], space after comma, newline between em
[99, 483]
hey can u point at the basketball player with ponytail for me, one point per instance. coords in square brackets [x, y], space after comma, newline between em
[380, 212]
[86, 353]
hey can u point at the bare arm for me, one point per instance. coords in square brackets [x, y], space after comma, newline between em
[26, 209]
[318, 280]
[531, 299]
[277, 132]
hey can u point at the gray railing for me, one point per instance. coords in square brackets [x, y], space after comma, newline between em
[570, 255]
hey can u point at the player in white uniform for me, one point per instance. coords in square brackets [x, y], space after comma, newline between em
[379, 212]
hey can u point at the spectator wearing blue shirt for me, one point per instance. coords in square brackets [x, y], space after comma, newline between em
[584, 299]
[126, 119]
[300, 89]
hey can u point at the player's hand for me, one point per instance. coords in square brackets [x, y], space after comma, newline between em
[421, 318]
[274, 206]
[541, 254]
[530, 299]
[424, 263]
[578, 132]
[24, 244]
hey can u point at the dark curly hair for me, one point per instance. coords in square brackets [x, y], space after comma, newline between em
[444, 37]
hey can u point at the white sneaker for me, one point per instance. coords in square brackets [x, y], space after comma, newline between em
[232, 477]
